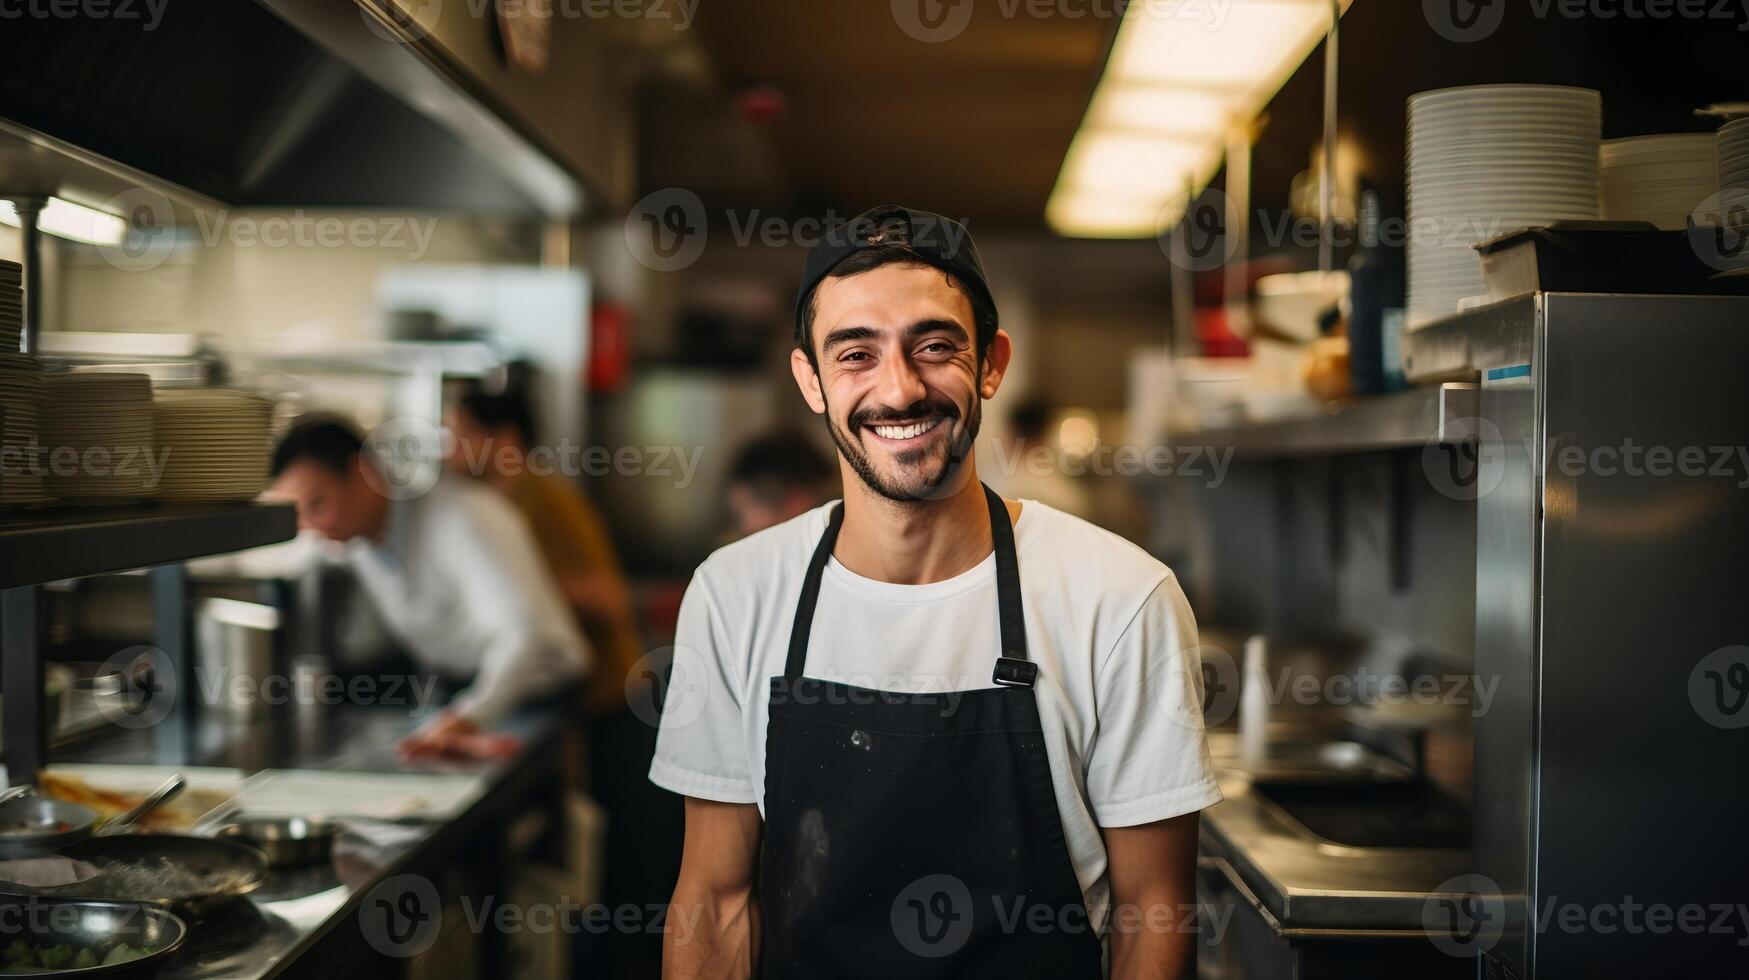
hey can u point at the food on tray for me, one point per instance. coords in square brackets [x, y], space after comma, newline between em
[176, 814]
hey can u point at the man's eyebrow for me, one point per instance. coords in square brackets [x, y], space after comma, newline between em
[845, 335]
[938, 325]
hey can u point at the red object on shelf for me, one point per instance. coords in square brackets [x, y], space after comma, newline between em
[610, 331]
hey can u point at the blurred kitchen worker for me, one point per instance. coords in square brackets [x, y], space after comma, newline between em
[900, 717]
[1029, 469]
[454, 572]
[492, 432]
[776, 477]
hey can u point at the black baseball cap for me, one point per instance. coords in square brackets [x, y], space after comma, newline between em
[939, 241]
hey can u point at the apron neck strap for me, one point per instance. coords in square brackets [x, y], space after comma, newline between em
[1013, 669]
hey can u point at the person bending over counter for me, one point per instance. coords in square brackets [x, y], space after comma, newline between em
[454, 572]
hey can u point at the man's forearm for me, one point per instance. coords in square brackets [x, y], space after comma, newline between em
[1151, 940]
[711, 935]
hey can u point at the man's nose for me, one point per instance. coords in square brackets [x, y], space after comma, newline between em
[899, 385]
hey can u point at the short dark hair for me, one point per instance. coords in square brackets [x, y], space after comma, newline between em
[983, 311]
[494, 410]
[327, 440]
[775, 463]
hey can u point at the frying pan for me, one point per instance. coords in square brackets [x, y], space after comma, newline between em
[40, 816]
[164, 868]
[97, 926]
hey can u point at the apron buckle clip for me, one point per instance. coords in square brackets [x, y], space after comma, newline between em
[1011, 672]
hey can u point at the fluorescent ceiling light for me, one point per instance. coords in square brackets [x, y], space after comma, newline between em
[1129, 163]
[1179, 79]
[73, 221]
[1085, 213]
[1159, 109]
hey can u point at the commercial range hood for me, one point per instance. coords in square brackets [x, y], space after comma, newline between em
[312, 103]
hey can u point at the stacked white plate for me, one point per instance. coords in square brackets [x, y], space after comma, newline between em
[21, 396]
[1484, 160]
[1661, 179]
[97, 435]
[215, 443]
[1733, 151]
[11, 306]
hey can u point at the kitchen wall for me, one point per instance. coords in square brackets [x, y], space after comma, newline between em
[258, 272]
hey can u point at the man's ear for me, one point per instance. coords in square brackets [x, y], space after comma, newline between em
[995, 364]
[807, 379]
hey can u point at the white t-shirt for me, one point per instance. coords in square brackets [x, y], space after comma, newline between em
[1119, 687]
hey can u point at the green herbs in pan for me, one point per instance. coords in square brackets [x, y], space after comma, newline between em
[25, 957]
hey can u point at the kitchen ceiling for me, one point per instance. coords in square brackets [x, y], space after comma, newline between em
[973, 125]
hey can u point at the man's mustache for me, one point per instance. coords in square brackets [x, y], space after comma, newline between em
[888, 416]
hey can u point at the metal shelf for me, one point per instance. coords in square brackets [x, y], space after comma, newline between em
[1443, 414]
[45, 546]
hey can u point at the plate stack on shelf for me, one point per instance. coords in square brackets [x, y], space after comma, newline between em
[11, 306]
[1661, 179]
[21, 396]
[1485, 160]
[1733, 152]
[97, 435]
[215, 442]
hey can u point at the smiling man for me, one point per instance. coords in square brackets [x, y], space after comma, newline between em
[925, 731]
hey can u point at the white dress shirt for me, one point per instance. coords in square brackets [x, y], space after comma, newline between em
[461, 584]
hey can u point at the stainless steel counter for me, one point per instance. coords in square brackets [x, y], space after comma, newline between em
[305, 921]
[1309, 886]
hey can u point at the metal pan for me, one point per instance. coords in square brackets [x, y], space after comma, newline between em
[35, 825]
[287, 841]
[165, 868]
[94, 926]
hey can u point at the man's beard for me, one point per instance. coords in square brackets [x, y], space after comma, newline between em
[927, 486]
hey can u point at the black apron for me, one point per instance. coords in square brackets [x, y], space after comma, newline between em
[907, 835]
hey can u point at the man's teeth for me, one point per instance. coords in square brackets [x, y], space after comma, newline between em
[911, 431]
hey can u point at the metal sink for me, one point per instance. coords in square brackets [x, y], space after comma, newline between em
[1399, 814]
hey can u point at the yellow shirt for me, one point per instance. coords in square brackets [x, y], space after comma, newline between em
[574, 541]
